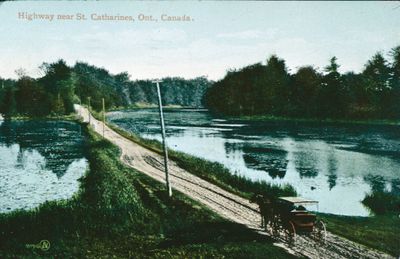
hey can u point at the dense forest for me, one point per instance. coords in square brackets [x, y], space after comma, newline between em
[61, 86]
[271, 90]
[258, 89]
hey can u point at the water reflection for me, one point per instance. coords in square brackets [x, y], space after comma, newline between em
[39, 161]
[58, 142]
[271, 160]
[335, 164]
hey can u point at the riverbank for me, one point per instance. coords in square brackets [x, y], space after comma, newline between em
[141, 105]
[314, 120]
[376, 232]
[379, 232]
[120, 212]
[226, 204]
[212, 172]
[392, 122]
[70, 117]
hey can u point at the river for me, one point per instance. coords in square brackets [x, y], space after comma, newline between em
[39, 161]
[336, 164]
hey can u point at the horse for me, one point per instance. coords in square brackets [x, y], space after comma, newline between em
[266, 209]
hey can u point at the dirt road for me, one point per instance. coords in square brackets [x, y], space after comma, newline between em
[227, 205]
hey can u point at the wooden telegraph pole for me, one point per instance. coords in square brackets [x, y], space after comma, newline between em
[104, 115]
[169, 189]
[89, 108]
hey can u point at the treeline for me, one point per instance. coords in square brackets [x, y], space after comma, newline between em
[271, 90]
[175, 91]
[120, 91]
[61, 86]
[51, 94]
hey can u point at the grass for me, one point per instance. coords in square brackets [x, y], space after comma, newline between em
[379, 232]
[382, 202]
[213, 172]
[121, 213]
[69, 117]
[143, 105]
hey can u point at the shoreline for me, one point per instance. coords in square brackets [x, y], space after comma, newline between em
[363, 228]
[269, 118]
[368, 228]
[70, 117]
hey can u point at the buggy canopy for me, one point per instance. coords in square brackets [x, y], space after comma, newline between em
[298, 200]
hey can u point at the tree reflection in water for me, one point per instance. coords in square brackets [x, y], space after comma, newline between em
[58, 142]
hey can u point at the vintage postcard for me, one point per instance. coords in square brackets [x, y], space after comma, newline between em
[201, 129]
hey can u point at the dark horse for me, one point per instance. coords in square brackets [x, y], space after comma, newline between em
[266, 208]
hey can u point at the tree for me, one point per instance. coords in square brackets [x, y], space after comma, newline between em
[304, 90]
[376, 74]
[59, 83]
[359, 105]
[21, 72]
[333, 66]
[275, 87]
[332, 97]
[30, 98]
[394, 102]
[395, 67]
[8, 106]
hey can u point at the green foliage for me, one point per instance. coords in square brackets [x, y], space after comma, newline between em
[304, 92]
[254, 89]
[218, 174]
[118, 90]
[382, 202]
[214, 172]
[125, 214]
[379, 232]
[270, 90]
[31, 98]
[175, 91]
[61, 86]
[98, 83]
[8, 105]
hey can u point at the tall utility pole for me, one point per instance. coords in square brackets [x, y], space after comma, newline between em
[169, 189]
[104, 115]
[89, 108]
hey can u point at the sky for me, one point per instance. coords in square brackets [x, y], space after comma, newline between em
[219, 36]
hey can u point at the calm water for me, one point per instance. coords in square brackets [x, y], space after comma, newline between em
[39, 161]
[334, 164]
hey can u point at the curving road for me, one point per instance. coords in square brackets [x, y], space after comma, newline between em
[228, 205]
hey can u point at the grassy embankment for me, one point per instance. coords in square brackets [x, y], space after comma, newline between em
[380, 232]
[143, 105]
[120, 212]
[69, 117]
[212, 172]
[338, 121]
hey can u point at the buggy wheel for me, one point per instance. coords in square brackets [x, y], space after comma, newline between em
[319, 232]
[290, 233]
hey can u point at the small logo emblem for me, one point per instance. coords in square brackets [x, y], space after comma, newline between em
[44, 245]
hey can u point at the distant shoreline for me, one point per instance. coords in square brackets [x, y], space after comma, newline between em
[259, 118]
[267, 118]
[341, 121]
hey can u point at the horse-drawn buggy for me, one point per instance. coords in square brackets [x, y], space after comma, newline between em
[288, 217]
